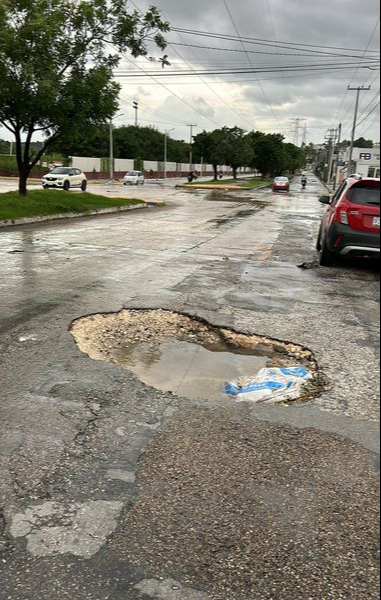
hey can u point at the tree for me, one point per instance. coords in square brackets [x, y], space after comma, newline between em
[269, 156]
[211, 146]
[129, 142]
[239, 152]
[363, 143]
[56, 63]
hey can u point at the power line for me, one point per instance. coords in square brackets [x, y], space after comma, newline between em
[251, 64]
[236, 50]
[244, 71]
[265, 42]
[365, 51]
[171, 92]
[206, 82]
[369, 114]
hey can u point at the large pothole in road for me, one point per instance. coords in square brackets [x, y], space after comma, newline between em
[176, 353]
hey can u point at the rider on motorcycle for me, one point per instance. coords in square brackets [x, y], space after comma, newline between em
[304, 181]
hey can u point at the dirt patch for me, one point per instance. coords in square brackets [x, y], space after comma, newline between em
[180, 354]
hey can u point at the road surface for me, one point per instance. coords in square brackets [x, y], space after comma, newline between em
[114, 490]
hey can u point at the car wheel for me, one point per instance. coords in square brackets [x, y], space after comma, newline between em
[84, 186]
[327, 258]
[45, 187]
[66, 186]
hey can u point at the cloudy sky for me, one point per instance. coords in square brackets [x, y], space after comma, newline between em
[266, 101]
[310, 51]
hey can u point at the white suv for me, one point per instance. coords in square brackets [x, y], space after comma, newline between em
[65, 178]
[134, 178]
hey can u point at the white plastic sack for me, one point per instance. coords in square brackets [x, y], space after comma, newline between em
[270, 385]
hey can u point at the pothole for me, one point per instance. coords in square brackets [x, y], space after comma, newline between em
[187, 356]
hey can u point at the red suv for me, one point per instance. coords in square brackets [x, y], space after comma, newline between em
[351, 225]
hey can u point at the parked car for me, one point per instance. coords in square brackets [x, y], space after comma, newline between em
[351, 224]
[281, 184]
[134, 178]
[65, 178]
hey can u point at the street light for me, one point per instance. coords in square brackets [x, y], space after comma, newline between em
[166, 134]
[112, 146]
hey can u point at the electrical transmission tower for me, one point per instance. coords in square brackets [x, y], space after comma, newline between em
[297, 124]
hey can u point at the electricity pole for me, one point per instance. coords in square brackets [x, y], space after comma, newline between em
[332, 134]
[111, 150]
[166, 134]
[112, 145]
[191, 125]
[358, 90]
[136, 108]
[339, 131]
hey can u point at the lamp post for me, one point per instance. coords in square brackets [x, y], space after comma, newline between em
[166, 134]
[112, 146]
[191, 125]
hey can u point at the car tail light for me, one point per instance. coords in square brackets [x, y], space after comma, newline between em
[342, 217]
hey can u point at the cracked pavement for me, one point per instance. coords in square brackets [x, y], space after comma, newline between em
[114, 490]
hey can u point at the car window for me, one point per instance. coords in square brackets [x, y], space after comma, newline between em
[60, 171]
[339, 193]
[132, 174]
[366, 195]
[78, 172]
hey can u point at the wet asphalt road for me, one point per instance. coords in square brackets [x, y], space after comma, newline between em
[240, 503]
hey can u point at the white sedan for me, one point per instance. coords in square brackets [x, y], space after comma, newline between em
[134, 178]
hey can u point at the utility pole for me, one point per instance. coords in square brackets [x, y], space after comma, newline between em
[191, 125]
[112, 145]
[358, 90]
[166, 134]
[135, 105]
[332, 134]
[339, 131]
[111, 150]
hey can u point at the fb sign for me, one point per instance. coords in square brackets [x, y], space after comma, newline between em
[365, 156]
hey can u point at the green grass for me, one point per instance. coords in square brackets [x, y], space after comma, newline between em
[40, 203]
[250, 183]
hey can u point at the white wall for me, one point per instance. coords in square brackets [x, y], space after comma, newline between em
[124, 164]
[151, 165]
[86, 164]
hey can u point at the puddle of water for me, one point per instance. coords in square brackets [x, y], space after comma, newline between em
[236, 218]
[188, 369]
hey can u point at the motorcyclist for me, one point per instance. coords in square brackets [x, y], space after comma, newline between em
[304, 181]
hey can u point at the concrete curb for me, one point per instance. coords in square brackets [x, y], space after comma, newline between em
[49, 218]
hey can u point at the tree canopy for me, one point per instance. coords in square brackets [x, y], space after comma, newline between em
[56, 63]
[266, 153]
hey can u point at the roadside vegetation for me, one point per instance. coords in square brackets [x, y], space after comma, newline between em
[43, 203]
[57, 62]
[249, 183]
[267, 154]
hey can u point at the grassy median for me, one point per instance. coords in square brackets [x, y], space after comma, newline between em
[41, 203]
[249, 183]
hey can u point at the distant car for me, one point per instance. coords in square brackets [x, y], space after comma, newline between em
[65, 178]
[351, 224]
[281, 184]
[134, 178]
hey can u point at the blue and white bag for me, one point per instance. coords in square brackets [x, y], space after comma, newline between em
[270, 385]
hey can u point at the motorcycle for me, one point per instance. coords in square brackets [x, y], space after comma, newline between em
[192, 177]
[304, 185]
